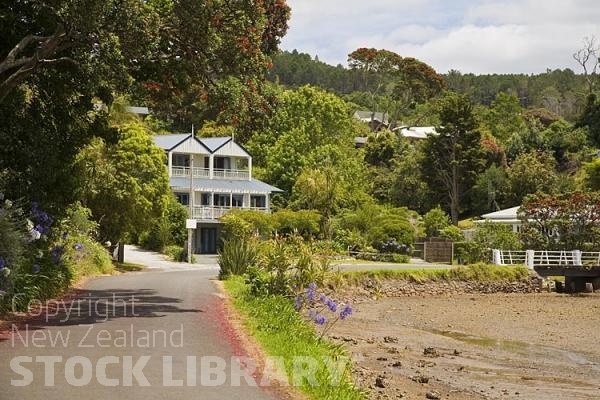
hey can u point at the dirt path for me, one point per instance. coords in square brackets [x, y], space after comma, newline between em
[528, 346]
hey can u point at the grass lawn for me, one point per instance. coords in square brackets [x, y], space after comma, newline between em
[475, 272]
[282, 332]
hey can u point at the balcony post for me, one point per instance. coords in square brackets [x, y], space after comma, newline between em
[249, 168]
[211, 166]
[170, 163]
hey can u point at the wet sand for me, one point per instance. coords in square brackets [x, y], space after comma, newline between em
[499, 346]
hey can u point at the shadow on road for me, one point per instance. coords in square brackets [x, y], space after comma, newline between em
[97, 306]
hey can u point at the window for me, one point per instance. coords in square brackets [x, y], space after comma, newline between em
[205, 199]
[258, 201]
[237, 200]
[181, 160]
[222, 200]
[222, 163]
[183, 198]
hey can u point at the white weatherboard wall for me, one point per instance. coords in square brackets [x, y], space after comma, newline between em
[190, 145]
[231, 149]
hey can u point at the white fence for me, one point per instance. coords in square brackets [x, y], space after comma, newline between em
[531, 258]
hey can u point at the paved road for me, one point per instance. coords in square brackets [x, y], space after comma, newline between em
[112, 339]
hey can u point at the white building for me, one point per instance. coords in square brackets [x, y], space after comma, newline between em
[213, 176]
[508, 216]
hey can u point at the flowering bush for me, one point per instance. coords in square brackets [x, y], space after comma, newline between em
[321, 309]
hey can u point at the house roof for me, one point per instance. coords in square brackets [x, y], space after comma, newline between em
[506, 214]
[416, 132]
[224, 185]
[367, 116]
[138, 110]
[213, 143]
[167, 142]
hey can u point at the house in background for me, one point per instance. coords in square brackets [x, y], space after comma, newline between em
[508, 216]
[213, 176]
[376, 120]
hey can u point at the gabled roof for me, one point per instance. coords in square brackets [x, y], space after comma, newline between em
[224, 185]
[213, 143]
[506, 214]
[168, 142]
[368, 116]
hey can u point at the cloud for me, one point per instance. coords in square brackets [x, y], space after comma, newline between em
[499, 36]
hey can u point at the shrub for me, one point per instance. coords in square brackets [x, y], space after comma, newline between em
[176, 253]
[236, 255]
[235, 227]
[434, 221]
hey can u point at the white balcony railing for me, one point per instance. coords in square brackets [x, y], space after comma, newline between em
[231, 174]
[216, 212]
[185, 172]
[236, 174]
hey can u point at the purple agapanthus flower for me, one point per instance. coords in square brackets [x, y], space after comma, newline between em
[78, 247]
[332, 305]
[2, 263]
[320, 319]
[57, 253]
[298, 302]
[346, 311]
[311, 292]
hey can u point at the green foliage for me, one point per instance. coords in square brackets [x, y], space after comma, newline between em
[490, 190]
[380, 226]
[477, 272]
[177, 253]
[561, 222]
[530, 173]
[125, 185]
[488, 236]
[307, 119]
[453, 158]
[453, 233]
[282, 332]
[591, 175]
[302, 222]
[236, 255]
[435, 221]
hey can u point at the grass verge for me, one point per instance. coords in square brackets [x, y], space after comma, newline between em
[128, 267]
[475, 272]
[282, 332]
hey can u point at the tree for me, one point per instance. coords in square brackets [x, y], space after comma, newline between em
[113, 35]
[588, 58]
[125, 184]
[395, 84]
[211, 59]
[561, 222]
[530, 173]
[454, 157]
[308, 120]
[490, 190]
[435, 221]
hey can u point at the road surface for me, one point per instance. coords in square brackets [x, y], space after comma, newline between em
[132, 336]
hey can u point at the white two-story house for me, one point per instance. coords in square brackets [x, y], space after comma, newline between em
[213, 176]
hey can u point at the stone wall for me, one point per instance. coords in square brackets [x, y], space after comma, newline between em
[403, 288]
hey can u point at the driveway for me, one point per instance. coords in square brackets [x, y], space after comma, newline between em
[157, 334]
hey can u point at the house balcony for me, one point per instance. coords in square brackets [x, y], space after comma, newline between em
[213, 213]
[231, 174]
[179, 172]
[238, 174]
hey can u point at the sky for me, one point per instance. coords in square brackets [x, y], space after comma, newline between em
[479, 36]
